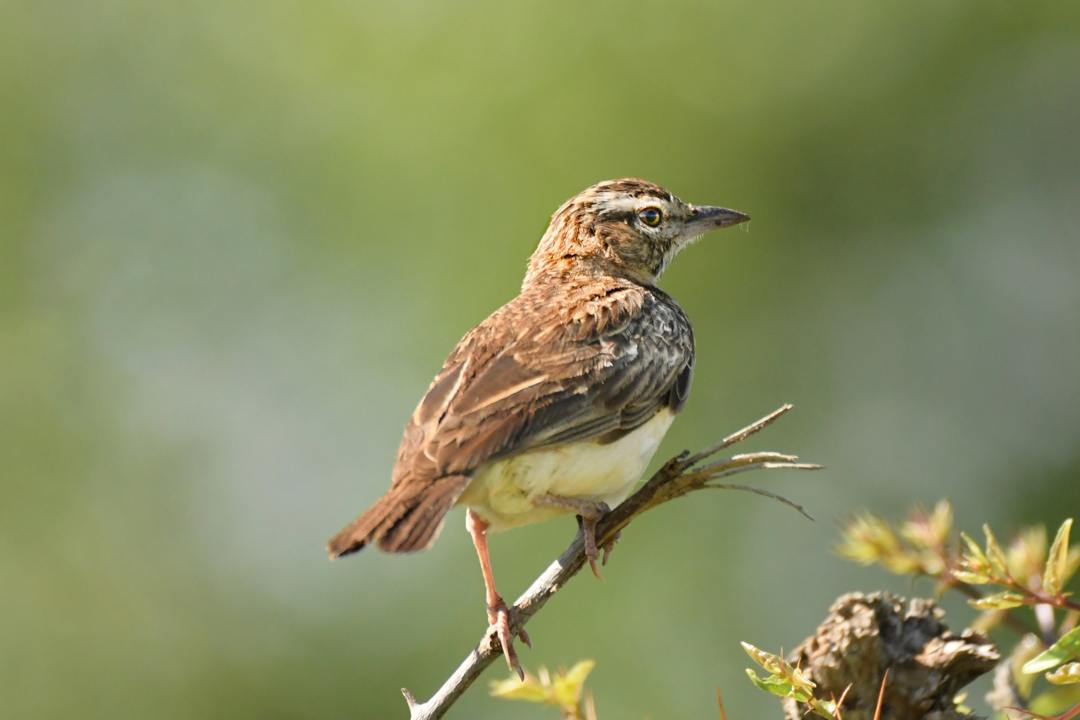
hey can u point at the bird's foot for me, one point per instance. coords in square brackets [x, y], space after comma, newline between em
[499, 618]
[589, 513]
[587, 522]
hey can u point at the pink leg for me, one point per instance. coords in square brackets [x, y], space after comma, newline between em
[497, 611]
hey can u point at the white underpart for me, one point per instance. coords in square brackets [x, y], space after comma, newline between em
[504, 492]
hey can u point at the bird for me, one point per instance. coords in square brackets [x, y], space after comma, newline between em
[556, 403]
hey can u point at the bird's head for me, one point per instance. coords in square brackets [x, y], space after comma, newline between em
[629, 228]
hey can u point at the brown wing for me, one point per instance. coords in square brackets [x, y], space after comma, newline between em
[530, 376]
[597, 363]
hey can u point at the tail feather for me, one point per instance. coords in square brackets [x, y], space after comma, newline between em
[406, 519]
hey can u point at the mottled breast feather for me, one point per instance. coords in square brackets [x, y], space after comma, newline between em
[593, 358]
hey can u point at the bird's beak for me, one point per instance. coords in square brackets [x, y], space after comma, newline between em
[706, 217]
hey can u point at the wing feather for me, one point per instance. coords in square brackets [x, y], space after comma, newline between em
[529, 377]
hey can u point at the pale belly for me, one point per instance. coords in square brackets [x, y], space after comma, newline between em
[504, 492]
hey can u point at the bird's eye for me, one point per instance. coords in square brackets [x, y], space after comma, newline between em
[651, 216]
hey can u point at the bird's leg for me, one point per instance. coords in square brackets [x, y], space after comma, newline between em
[497, 611]
[589, 513]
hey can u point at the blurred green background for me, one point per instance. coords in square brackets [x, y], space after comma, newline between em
[238, 240]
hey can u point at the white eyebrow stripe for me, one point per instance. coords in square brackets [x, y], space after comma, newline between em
[617, 202]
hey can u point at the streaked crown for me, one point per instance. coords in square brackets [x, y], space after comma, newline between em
[629, 228]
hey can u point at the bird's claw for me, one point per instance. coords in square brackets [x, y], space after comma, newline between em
[499, 618]
[588, 531]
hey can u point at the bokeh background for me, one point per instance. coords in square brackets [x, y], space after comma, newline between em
[238, 239]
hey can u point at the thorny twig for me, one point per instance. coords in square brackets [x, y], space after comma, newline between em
[679, 476]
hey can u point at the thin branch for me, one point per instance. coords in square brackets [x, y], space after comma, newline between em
[679, 476]
[720, 705]
[740, 435]
[880, 695]
[759, 491]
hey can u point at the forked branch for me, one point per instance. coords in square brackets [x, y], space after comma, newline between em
[680, 475]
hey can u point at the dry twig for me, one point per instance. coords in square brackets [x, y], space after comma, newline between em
[679, 476]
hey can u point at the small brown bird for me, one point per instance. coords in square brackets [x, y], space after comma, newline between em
[556, 402]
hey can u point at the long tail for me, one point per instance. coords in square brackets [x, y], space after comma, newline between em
[406, 519]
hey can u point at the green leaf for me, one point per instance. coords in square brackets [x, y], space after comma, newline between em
[941, 521]
[974, 551]
[567, 687]
[971, 578]
[803, 685]
[1067, 674]
[1066, 648]
[1052, 701]
[514, 689]
[772, 684]
[770, 662]
[868, 539]
[824, 708]
[995, 553]
[975, 560]
[1057, 560]
[563, 690]
[998, 601]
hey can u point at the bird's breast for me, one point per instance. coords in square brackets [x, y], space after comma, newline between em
[504, 491]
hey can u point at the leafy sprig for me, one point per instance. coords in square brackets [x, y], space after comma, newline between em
[999, 580]
[787, 681]
[565, 689]
[1027, 574]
